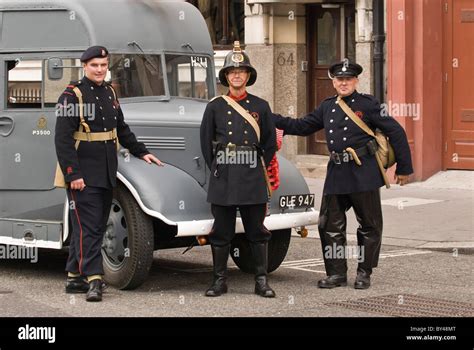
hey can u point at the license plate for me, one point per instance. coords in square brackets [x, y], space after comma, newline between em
[295, 201]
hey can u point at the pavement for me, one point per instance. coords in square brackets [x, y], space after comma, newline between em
[436, 214]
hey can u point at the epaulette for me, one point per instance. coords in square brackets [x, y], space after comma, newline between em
[75, 83]
[70, 87]
[370, 97]
[330, 98]
[215, 98]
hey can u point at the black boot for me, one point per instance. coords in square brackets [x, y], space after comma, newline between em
[95, 290]
[220, 255]
[260, 256]
[76, 285]
[333, 281]
[363, 278]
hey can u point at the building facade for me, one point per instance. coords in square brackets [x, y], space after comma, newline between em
[415, 61]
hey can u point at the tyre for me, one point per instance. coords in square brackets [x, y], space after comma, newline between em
[277, 249]
[128, 242]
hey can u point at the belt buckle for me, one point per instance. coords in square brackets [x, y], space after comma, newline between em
[232, 147]
[336, 159]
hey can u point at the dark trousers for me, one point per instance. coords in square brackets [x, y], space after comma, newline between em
[89, 211]
[252, 216]
[332, 229]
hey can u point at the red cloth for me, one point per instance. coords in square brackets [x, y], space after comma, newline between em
[273, 168]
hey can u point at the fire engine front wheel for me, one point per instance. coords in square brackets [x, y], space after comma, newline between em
[128, 242]
[277, 249]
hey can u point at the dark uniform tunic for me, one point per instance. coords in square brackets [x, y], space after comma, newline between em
[233, 186]
[96, 163]
[237, 184]
[342, 132]
[347, 184]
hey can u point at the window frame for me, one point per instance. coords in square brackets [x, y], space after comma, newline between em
[211, 68]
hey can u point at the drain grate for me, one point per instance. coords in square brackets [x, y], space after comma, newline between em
[408, 305]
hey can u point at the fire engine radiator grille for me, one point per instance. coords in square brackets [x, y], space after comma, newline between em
[163, 142]
[407, 305]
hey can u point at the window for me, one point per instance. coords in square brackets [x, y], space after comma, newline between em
[134, 75]
[28, 78]
[350, 33]
[190, 76]
[54, 88]
[24, 84]
[224, 19]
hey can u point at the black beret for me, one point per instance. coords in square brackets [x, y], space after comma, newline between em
[94, 52]
[345, 69]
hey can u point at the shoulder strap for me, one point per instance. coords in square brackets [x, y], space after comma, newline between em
[350, 113]
[78, 93]
[244, 114]
[113, 91]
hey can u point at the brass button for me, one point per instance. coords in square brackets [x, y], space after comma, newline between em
[246, 142]
[229, 112]
[230, 132]
[230, 123]
[247, 101]
[245, 132]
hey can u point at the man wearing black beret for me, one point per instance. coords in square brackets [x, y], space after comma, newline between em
[353, 178]
[86, 146]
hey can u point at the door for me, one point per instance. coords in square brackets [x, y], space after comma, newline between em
[458, 94]
[330, 38]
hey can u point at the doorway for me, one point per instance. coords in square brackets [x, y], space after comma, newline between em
[330, 38]
[458, 95]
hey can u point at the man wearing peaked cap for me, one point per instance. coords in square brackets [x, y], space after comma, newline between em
[353, 178]
[87, 154]
[345, 69]
[225, 133]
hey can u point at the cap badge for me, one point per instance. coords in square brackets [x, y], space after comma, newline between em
[237, 56]
[345, 64]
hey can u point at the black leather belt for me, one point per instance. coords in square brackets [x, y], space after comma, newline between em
[345, 157]
[232, 147]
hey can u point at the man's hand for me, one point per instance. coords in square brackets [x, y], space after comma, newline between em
[78, 184]
[401, 179]
[150, 158]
